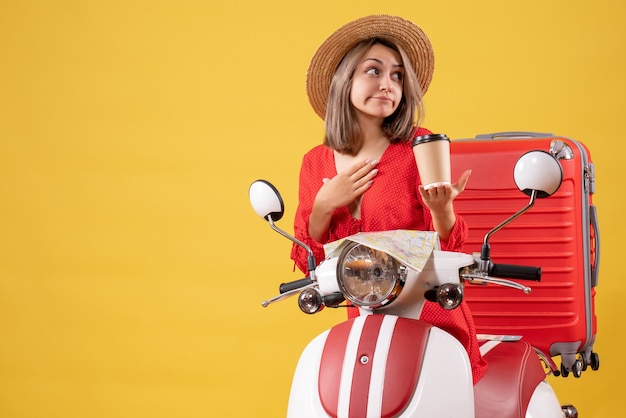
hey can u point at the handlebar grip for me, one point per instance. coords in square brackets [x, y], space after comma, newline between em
[511, 271]
[296, 284]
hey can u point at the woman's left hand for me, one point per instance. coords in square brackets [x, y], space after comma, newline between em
[439, 198]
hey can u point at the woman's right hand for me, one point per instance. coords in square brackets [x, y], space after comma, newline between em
[347, 186]
[342, 190]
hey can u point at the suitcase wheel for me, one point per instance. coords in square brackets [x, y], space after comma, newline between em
[591, 359]
[580, 365]
[576, 370]
[595, 361]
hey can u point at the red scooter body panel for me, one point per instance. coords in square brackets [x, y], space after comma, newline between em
[513, 375]
[402, 351]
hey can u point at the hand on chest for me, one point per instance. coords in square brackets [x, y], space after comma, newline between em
[393, 194]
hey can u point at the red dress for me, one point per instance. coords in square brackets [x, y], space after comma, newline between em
[392, 202]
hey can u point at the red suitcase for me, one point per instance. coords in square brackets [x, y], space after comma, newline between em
[559, 234]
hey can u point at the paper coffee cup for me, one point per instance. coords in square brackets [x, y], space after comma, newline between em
[432, 154]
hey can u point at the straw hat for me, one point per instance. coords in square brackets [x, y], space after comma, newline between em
[327, 57]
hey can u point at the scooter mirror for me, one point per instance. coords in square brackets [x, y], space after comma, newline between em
[538, 171]
[266, 200]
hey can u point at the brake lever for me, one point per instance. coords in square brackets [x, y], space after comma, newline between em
[475, 278]
[286, 295]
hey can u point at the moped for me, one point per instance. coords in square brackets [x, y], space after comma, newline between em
[387, 362]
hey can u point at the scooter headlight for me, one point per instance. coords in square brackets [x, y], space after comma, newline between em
[368, 277]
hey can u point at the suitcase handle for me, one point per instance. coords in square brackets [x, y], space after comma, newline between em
[593, 215]
[514, 134]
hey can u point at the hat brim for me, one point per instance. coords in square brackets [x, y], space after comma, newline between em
[405, 33]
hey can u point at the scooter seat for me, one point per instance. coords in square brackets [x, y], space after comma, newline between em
[512, 376]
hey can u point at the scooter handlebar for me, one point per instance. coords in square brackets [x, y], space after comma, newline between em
[511, 271]
[296, 284]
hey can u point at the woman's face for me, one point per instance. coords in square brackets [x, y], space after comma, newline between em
[376, 89]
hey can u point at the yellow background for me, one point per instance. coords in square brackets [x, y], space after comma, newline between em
[132, 266]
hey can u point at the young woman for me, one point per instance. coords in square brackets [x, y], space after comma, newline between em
[366, 81]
